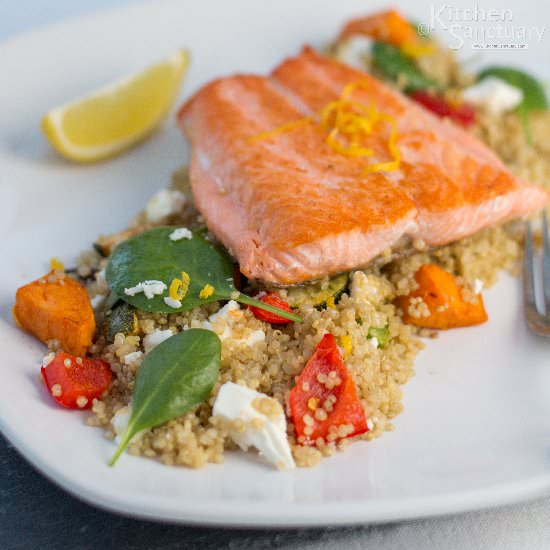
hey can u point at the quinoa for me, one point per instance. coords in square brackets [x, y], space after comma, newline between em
[271, 366]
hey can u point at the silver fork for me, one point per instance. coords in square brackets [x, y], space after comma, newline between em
[537, 321]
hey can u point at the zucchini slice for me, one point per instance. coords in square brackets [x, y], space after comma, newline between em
[121, 319]
[317, 294]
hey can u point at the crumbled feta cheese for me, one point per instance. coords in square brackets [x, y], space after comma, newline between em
[134, 357]
[478, 286]
[181, 233]
[48, 358]
[493, 94]
[170, 302]
[266, 433]
[97, 300]
[374, 342]
[165, 203]
[225, 311]
[120, 423]
[151, 341]
[221, 323]
[149, 288]
[370, 424]
[354, 51]
[254, 337]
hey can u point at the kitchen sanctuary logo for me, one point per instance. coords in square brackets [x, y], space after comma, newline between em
[482, 28]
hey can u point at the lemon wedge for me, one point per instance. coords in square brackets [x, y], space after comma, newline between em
[115, 117]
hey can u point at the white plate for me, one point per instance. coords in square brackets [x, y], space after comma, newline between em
[476, 426]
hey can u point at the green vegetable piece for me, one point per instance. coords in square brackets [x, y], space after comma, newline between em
[381, 334]
[534, 95]
[175, 377]
[393, 63]
[111, 300]
[121, 319]
[152, 255]
[315, 294]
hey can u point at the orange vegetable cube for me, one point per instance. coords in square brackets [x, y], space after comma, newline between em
[56, 307]
[438, 302]
[387, 26]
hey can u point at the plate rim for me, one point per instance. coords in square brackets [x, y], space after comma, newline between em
[240, 513]
[215, 513]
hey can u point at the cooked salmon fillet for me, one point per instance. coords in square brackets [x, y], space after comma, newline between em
[292, 209]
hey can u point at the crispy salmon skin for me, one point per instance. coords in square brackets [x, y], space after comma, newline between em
[290, 208]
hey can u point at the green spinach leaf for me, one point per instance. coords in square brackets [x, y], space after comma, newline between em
[152, 255]
[393, 64]
[176, 376]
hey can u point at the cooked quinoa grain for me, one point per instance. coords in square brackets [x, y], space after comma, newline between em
[272, 365]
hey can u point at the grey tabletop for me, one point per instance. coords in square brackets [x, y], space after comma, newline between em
[37, 515]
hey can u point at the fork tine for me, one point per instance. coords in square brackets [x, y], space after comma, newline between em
[532, 315]
[528, 270]
[537, 322]
[546, 263]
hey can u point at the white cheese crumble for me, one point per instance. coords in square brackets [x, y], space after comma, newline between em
[151, 341]
[266, 433]
[478, 286]
[170, 302]
[149, 288]
[254, 337]
[120, 423]
[221, 323]
[374, 342]
[180, 233]
[132, 358]
[354, 51]
[165, 203]
[493, 94]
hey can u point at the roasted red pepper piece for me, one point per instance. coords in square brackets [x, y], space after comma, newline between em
[324, 402]
[75, 381]
[463, 113]
[274, 300]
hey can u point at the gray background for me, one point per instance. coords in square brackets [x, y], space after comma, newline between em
[35, 514]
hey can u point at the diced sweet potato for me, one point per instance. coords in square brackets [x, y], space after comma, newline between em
[56, 307]
[386, 26]
[438, 302]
